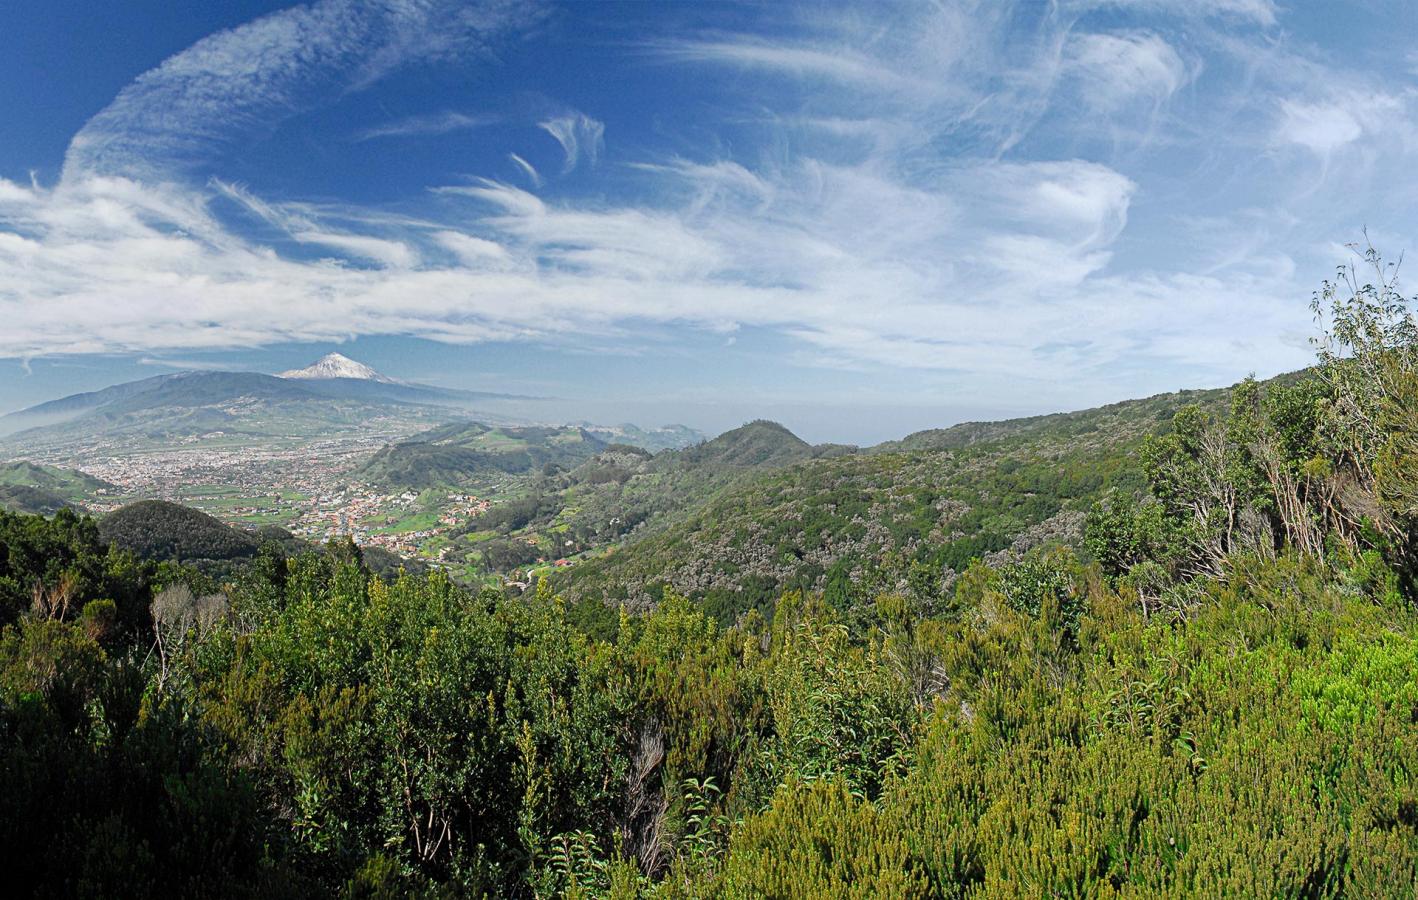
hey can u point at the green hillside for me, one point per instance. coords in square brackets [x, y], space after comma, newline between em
[756, 445]
[159, 531]
[154, 529]
[69, 483]
[853, 525]
[451, 455]
[622, 491]
[31, 488]
[1123, 420]
[906, 516]
[735, 520]
[36, 501]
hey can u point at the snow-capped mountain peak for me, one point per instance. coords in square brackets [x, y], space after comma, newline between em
[337, 365]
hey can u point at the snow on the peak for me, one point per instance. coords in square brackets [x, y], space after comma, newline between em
[337, 365]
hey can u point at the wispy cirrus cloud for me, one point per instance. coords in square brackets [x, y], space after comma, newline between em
[1259, 12]
[801, 60]
[1117, 69]
[238, 85]
[188, 365]
[1325, 125]
[446, 122]
[580, 137]
[526, 168]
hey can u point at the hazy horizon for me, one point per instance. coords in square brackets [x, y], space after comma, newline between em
[865, 423]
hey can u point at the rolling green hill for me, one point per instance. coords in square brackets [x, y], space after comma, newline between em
[154, 529]
[758, 444]
[160, 531]
[31, 488]
[624, 490]
[35, 501]
[69, 483]
[908, 515]
[1126, 419]
[450, 455]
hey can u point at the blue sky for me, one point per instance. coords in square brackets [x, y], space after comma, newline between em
[859, 219]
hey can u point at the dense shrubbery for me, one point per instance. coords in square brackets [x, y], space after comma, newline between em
[333, 730]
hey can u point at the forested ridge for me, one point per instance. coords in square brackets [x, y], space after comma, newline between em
[1209, 689]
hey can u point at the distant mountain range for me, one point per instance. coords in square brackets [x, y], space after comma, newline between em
[168, 407]
[666, 437]
[335, 395]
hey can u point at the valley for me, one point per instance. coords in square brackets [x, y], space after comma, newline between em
[331, 451]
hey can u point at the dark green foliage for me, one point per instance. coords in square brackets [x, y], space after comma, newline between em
[328, 731]
[205, 548]
[111, 794]
[154, 529]
[55, 566]
[33, 500]
[1044, 589]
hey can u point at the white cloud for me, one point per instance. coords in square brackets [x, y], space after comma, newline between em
[1321, 127]
[471, 250]
[237, 85]
[839, 65]
[186, 364]
[579, 136]
[445, 122]
[527, 169]
[1117, 69]
[1325, 126]
[393, 254]
[854, 261]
